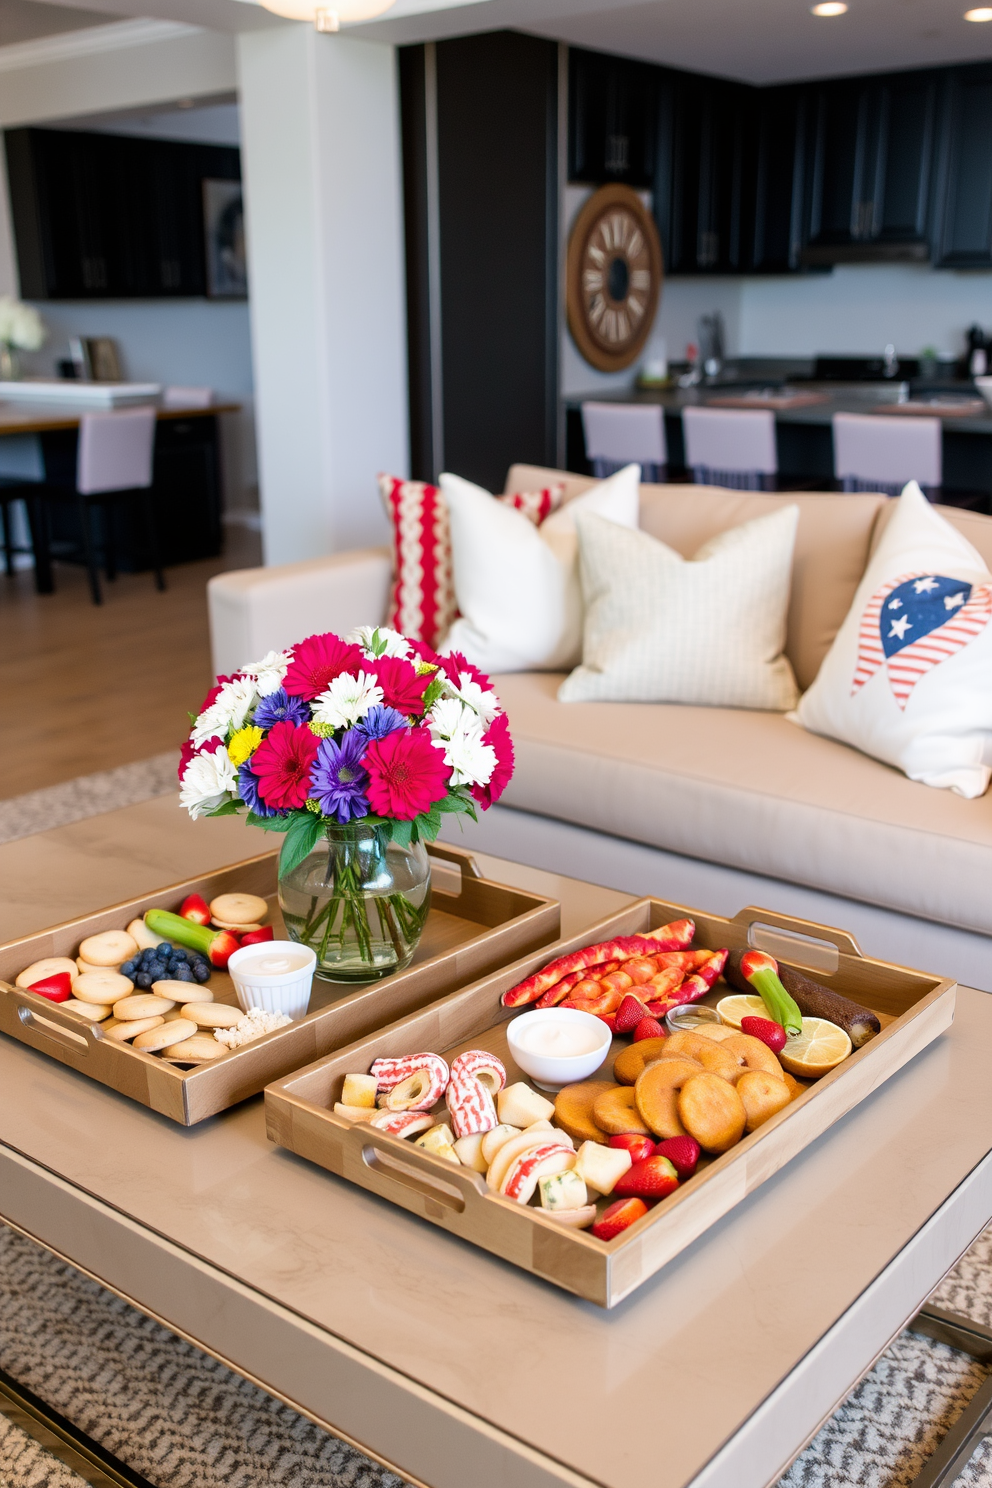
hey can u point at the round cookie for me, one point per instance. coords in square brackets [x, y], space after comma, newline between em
[106, 987]
[164, 1034]
[48, 966]
[762, 1095]
[239, 929]
[144, 939]
[615, 1111]
[212, 1014]
[130, 1029]
[93, 1012]
[141, 1005]
[711, 1111]
[631, 1061]
[716, 1031]
[752, 1054]
[657, 1091]
[196, 1049]
[573, 1110]
[182, 991]
[109, 948]
[238, 910]
[710, 1053]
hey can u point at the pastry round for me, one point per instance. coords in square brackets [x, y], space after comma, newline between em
[711, 1111]
[796, 1087]
[182, 991]
[631, 1061]
[719, 1032]
[106, 987]
[141, 1005]
[573, 1110]
[710, 1053]
[750, 1053]
[212, 1014]
[109, 948]
[656, 1094]
[49, 966]
[235, 925]
[762, 1096]
[238, 909]
[93, 1012]
[167, 1033]
[196, 1049]
[615, 1111]
[122, 1031]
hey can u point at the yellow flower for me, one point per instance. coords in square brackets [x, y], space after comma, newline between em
[243, 744]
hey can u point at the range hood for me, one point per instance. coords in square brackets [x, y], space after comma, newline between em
[825, 255]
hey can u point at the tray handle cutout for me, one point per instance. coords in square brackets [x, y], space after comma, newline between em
[452, 1191]
[48, 1028]
[800, 942]
[462, 860]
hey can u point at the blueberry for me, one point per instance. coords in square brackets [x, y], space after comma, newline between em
[143, 979]
[146, 956]
[127, 968]
[174, 963]
[183, 974]
[164, 949]
[179, 954]
[201, 973]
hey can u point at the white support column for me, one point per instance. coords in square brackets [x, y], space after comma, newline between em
[324, 204]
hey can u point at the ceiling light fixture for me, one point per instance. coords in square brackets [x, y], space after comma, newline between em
[982, 13]
[328, 15]
[829, 8]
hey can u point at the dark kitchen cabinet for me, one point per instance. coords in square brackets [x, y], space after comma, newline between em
[612, 112]
[906, 118]
[777, 183]
[963, 236]
[102, 216]
[700, 174]
[840, 173]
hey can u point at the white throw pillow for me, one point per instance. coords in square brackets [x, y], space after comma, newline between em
[908, 678]
[517, 585]
[708, 630]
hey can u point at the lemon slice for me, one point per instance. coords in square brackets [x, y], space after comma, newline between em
[819, 1048]
[741, 1005]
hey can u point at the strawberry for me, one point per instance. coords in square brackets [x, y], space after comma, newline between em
[256, 937]
[654, 1178]
[618, 1217]
[648, 1028]
[195, 907]
[610, 1019]
[772, 1034]
[57, 988]
[682, 1153]
[629, 1014]
[638, 1147]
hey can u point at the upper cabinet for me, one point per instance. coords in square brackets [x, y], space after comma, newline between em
[963, 227]
[699, 179]
[102, 216]
[612, 129]
[777, 152]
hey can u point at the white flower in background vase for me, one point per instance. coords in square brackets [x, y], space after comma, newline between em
[21, 329]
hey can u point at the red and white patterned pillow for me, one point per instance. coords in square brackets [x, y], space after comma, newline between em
[422, 603]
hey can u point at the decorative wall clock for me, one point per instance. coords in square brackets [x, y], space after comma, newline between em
[613, 278]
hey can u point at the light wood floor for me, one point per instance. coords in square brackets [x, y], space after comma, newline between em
[86, 688]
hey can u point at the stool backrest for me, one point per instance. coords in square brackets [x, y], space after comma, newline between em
[625, 433]
[887, 451]
[730, 441]
[115, 450]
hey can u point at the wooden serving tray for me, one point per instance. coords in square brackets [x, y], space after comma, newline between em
[473, 927]
[913, 1007]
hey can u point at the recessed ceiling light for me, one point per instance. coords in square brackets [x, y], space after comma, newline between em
[982, 13]
[829, 8]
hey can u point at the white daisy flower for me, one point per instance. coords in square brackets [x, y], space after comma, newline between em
[208, 781]
[347, 700]
[270, 672]
[229, 710]
[456, 730]
[483, 700]
[379, 640]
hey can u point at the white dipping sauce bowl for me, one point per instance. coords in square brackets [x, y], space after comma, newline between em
[552, 1071]
[282, 992]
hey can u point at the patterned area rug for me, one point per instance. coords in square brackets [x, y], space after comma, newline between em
[24, 1464]
[88, 795]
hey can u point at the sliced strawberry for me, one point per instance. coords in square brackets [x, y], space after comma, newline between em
[257, 937]
[629, 1013]
[638, 1147]
[654, 1178]
[222, 948]
[195, 907]
[682, 1153]
[610, 1019]
[648, 1028]
[770, 1033]
[618, 1217]
[57, 988]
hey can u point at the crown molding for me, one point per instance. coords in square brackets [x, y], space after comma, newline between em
[68, 45]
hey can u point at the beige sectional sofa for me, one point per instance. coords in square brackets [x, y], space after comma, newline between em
[708, 806]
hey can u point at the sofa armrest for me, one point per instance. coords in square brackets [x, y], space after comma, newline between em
[254, 610]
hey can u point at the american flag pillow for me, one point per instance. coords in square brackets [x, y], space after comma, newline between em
[422, 603]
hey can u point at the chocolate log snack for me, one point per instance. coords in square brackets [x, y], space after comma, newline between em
[813, 1000]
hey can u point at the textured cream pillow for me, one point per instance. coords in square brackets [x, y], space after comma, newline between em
[663, 629]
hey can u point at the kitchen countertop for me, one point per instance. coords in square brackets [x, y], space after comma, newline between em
[40, 418]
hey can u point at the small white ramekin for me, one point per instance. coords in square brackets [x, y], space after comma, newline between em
[288, 992]
[550, 1071]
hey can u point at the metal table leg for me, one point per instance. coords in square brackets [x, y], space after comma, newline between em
[59, 1437]
[959, 1444]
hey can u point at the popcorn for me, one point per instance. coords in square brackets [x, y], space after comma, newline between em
[253, 1025]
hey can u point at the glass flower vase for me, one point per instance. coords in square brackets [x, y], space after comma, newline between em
[359, 901]
[10, 367]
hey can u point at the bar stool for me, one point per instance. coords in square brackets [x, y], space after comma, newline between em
[619, 434]
[13, 490]
[732, 447]
[113, 465]
[873, 452]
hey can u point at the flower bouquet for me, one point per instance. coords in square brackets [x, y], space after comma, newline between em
[21, 329]
[355, 750]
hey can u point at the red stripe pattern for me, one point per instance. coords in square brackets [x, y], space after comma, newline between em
[912, 662]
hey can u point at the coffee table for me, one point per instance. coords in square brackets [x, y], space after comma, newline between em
[439, 1360]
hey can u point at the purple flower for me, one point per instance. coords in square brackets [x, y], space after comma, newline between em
[248, 791]
[380, 721]
[279, 707]
[337, 780]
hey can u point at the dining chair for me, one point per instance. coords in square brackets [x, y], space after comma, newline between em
[875, 452]
[619, 434]
[732, 447]
[113, 466]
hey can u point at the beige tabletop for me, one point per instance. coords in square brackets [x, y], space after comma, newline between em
[446, 1362]
[32, 417]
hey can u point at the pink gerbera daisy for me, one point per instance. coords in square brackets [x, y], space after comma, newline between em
[316, 662]
[282, 764]
[402, 688]
[498, 737]
[406, 774]
[455, 663]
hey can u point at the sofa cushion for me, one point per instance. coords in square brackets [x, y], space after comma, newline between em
[751, 791]
[832, 544]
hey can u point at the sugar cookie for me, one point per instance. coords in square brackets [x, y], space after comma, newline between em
[182, 991]
[164, 1034]
[132, 1028]
[236, 925]
[142, 1005]
[49, 966]
[93, 1012]
[196, 1049]
[109, 948]
[238, 910]
[144, 939]
[105, 987]
[212, 1014]
[84, 966]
